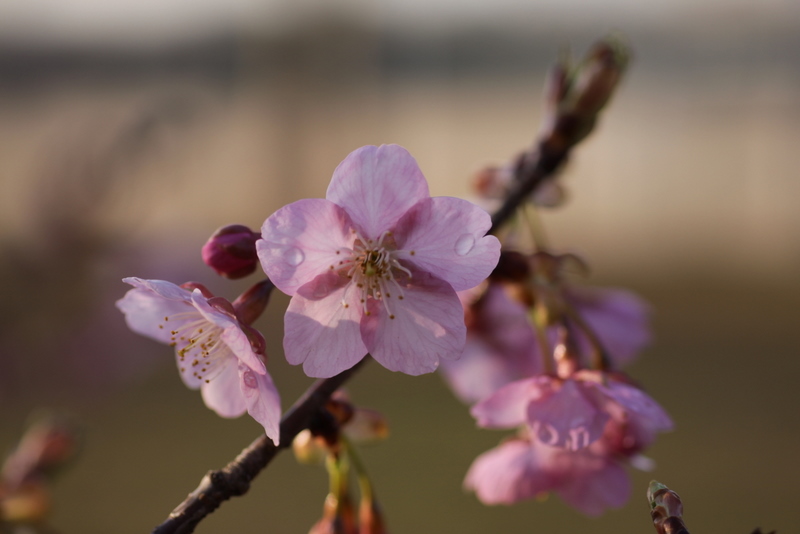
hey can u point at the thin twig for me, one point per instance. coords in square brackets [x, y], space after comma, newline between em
[234, 479]
[532, 169]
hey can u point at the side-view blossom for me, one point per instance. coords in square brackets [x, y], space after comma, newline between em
[375, 266]
[619, 318]
[501, 344]
[500, 348]
[215, 352]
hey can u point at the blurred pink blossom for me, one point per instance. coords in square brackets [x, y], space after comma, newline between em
[590, 479]
[620, 318]
[501, 344]
[375, 266]
[573, 412]
[215, 352]
[500, 348]
[577, 432]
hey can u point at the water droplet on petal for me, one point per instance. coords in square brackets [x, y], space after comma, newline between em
[464, 244]
[294, 256]
[249, 379]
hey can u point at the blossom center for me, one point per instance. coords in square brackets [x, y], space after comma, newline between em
[197, 343]
[373, 268]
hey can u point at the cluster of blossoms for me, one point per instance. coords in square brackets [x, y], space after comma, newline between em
[543, 356]
[380, 268]
[372, 269]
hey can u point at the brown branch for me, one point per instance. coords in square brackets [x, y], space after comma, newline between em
[574, 99]
[532, 169]
[234, 479]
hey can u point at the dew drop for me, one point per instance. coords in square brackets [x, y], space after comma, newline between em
[249, 379]
[294, 256]
[464, 244]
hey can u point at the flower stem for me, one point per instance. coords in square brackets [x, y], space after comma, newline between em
[600, 359]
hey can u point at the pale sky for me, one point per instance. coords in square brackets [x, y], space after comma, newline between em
[157, 21]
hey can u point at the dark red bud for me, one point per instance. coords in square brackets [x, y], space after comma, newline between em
[251, 304]
[231, 251]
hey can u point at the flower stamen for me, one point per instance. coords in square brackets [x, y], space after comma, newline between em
[372, 266]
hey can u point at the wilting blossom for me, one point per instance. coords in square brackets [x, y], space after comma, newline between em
[215, 352]
[375, 266]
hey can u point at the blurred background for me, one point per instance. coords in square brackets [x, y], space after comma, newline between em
[131, 130]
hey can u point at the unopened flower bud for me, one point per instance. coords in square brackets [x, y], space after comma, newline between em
[666, 509]
[308, 449]
[29, 503]
[370, 518]
[48, 444]
[338, 516]
[574, 100]
[597, 78]
[231, 251]
[492, 182]
[367, 427]
[251, 304]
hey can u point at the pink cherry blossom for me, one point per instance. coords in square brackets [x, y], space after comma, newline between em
[501, 344]
[577, 434]
[375, 266]
[620, 318]
[500, 348]
[573, 412]
[214, 351]
[590, 479]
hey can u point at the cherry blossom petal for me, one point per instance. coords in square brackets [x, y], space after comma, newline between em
[566, 419]
[145, 312]
[300, 241]
[232, 335]
[167, 290]
[479, 372]
[376, 186]
[505, 323]
[637, 402]
[427, 324]
[322, 333]
[508, 406]
[262, 399]
[447, 237]
[222, 393]
[500, 347]
[507, 474]
[620, 318]
[592, 492]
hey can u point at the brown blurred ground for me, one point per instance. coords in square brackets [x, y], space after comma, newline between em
[687, 194]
